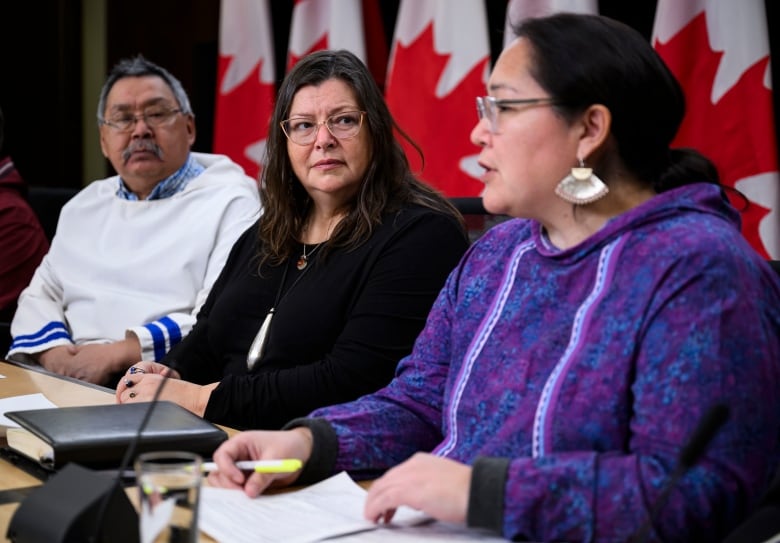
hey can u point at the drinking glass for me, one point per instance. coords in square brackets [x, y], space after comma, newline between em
[169, 491]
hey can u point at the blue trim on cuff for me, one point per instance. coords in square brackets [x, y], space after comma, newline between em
[174, 332]
[51, 326]
[42, 341]
[158, 340]
[53, 330]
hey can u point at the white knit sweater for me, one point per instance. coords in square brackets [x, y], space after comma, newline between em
[144, 266]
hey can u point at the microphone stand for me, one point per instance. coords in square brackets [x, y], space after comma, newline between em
[128, 458]
[705, 431]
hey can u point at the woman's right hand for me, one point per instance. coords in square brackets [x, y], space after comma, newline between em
[259, 445]
[145, 366]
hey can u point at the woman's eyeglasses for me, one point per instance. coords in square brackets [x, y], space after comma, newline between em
[488, 107]
[303, 131]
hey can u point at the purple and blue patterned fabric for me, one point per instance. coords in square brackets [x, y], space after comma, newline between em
[588, 369]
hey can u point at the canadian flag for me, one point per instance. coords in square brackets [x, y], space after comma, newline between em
[719, 51]
[438, 65]
[326, 24]
[517, 10]
[355, 25]
[246, 82]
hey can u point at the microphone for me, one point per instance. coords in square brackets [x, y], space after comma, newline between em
[98, 511]
[127, 459]
[763, 523]
[706, 429]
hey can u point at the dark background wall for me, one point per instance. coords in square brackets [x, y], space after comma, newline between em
[41, 85]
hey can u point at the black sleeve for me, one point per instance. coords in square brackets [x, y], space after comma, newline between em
[365, 311]
[325, 450]
[486, 496]
[193, 357]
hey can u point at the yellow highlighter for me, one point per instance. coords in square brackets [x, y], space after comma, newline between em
[286, 465]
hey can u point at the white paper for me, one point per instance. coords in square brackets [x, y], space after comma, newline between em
[21, 403]
[433, 532]
[155, 521]
[329, 510]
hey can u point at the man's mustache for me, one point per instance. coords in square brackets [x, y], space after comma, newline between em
[141, 145]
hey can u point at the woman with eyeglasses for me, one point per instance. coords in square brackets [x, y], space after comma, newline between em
[322, 297]
[575, 351]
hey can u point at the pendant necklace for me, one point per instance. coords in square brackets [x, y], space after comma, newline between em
[258, 345]
[303, 260]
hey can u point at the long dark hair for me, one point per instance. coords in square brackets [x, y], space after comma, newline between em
[582, 60]
[388, 183]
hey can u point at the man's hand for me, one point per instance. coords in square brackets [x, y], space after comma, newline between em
[92, 362]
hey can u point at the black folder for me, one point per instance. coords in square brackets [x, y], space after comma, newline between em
[97, 436]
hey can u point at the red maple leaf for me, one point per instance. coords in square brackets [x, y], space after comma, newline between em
[736, 132]
[241, 116]
[440, 126]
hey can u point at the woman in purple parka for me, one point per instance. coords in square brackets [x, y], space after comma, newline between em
[573, 351]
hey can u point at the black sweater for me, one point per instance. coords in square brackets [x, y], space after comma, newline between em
[337, 334]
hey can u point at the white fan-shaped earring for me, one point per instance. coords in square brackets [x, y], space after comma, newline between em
[581, 186]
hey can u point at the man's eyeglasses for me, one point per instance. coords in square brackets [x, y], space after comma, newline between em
[489, 107]
[303, 131]
[153, 117]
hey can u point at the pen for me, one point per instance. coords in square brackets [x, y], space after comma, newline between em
[287, 465]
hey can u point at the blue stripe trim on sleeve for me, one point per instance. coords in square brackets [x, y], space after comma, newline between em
[158, 339]
[53, 330]
[53, 325]
[30, 343]
[174, 332]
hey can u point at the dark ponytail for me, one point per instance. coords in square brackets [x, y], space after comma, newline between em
[686, 166]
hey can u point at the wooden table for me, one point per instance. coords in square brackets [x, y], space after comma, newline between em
[59, 390]
[62, 391]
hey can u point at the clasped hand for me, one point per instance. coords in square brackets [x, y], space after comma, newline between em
[142, 380]
[92, 362]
